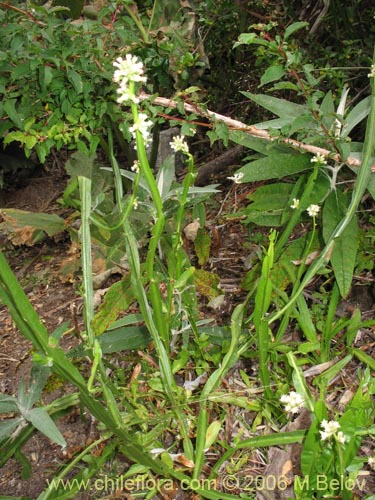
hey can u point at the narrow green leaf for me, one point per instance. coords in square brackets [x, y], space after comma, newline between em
[365, 358]
[294, 27]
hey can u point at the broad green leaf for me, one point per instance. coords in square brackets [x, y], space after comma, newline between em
[343, 256]
[275, 166]
[244, 139]
[272, 74]
[269, 205]
[8, 404]
[124, 339]
[27, 228]
[280, 107]
[10, 109]
[44, 423]
[293, 28]
[117, 299]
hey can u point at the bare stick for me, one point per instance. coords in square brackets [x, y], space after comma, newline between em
[249, 129]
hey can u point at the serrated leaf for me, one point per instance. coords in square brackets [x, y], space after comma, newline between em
[272, 74]
[343, 256]
[275, 166]
[44, 423]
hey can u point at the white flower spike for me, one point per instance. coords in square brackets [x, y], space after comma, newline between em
[313, 210]
[293, 402]
[372, 71]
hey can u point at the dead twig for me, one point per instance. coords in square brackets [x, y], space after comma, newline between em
[251, 130]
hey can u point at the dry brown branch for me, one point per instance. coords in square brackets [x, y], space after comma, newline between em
[253, 131]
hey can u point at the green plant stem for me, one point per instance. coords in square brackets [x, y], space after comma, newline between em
[85, 194]
[358, 191]
[136, 21]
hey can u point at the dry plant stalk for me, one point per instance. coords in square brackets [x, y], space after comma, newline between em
[249, 129]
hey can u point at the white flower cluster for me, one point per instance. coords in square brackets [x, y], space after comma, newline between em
[293, 402]
[313, 210]
[179, 144]
[372, 71]
[330, 430]
[319, 158]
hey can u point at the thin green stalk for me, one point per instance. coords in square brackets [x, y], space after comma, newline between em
[137, 21]
[358, 191]
[116, 171]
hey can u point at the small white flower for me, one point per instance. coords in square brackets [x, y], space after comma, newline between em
[371, 462]
[179, 144]
[340, 437]
[313, 210]
[319, 158]
[330, 430]
[372, 71]
[293, 402]
[135, 167]
[129, 69]
[143, 125]
[295, 203]
[135, 203]
[236, 178]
